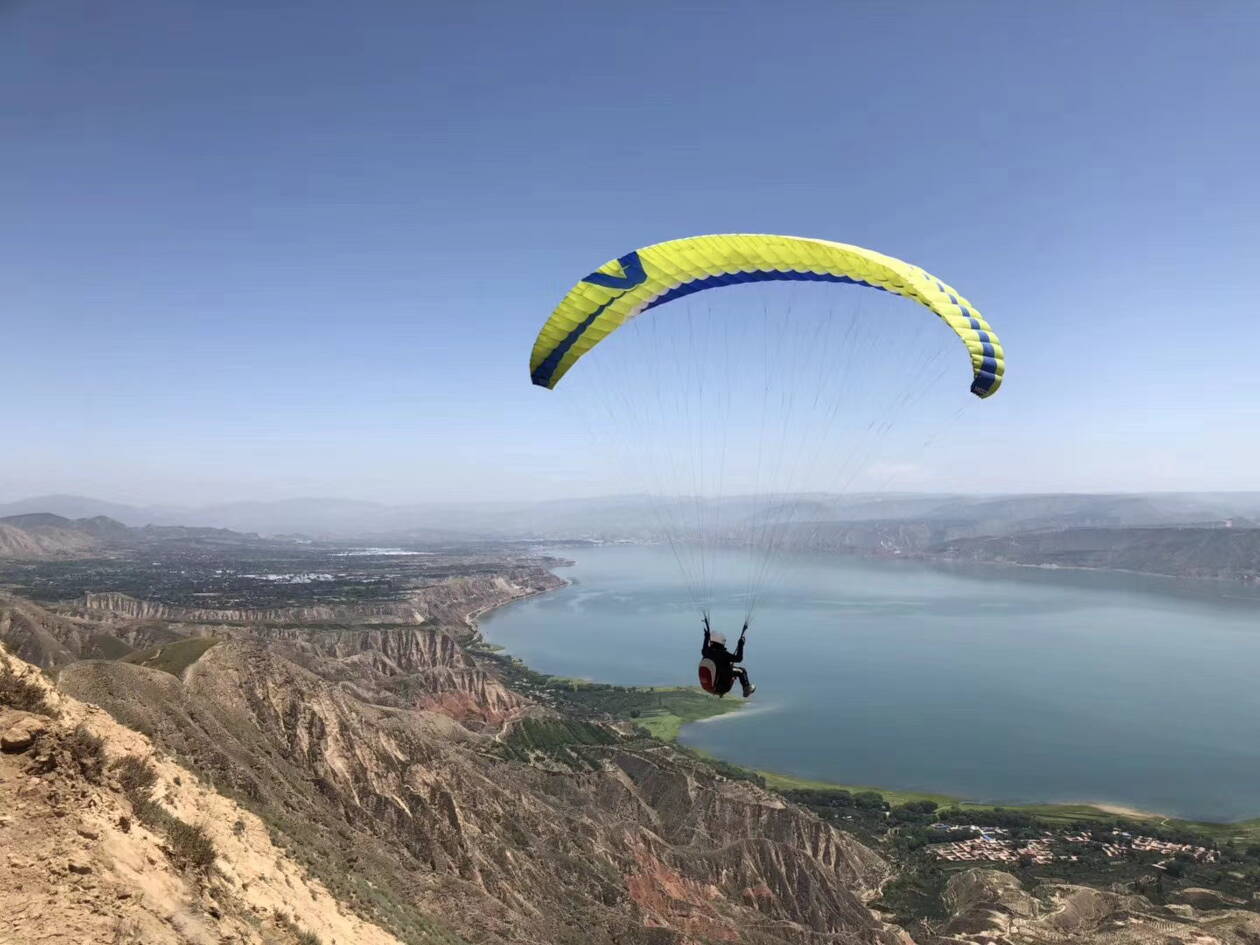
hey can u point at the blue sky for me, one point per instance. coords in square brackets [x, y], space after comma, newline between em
[257, 250]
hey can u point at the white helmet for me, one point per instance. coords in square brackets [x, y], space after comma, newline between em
[718, 638]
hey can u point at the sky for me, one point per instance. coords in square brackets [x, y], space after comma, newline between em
[259, 249]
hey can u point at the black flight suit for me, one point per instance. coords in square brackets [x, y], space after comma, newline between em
[726, 662]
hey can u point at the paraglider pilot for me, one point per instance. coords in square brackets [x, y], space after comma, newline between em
[719, 667]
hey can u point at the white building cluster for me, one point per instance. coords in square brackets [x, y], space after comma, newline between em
[992, 845]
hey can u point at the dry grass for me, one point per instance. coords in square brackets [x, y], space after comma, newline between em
[18, 693]
[136, 776]
[190, 844]
[88, 752]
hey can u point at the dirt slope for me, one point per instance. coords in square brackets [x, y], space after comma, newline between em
[78, 866]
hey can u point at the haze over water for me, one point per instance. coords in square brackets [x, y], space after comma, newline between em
[995, 684]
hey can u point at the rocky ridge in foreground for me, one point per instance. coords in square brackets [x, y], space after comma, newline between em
[78, 864]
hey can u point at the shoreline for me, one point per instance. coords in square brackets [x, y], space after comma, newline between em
[1207, 581]
[470, 618]
[782, 781]
[920, 557]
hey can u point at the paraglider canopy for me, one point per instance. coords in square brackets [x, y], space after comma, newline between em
[740, 424]
[655, 275]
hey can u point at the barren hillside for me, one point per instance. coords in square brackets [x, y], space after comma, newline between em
[363, 774]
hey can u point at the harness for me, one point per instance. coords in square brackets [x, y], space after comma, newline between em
[708, 671]
[708, 675]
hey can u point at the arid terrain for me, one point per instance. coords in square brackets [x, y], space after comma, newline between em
[274, 744]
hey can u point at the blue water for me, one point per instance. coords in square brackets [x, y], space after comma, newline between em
[1010, 685]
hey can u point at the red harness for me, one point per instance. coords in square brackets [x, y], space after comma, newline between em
[708, 676]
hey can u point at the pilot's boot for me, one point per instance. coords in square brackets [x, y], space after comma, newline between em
[748, 687]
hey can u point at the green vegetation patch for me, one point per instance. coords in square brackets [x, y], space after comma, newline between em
[557, 740]
[786, 783]
[548, 734]
[662, 711]
[915, 894]
[104, 647]
[173, 658]
[1048, 815]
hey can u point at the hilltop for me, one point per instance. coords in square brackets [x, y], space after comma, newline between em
[44, 535]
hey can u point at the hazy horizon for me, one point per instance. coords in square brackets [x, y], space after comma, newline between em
[302, 250]
[854, 496]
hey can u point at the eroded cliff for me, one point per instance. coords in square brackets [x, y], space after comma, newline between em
[381, 757]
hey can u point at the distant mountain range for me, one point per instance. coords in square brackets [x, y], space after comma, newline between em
[630, 517]
[1215, 553]
[1202, 535]
[38, 535]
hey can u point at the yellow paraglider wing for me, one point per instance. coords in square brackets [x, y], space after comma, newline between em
[623, 288]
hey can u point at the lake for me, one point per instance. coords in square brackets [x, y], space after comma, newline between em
[1001, 685]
